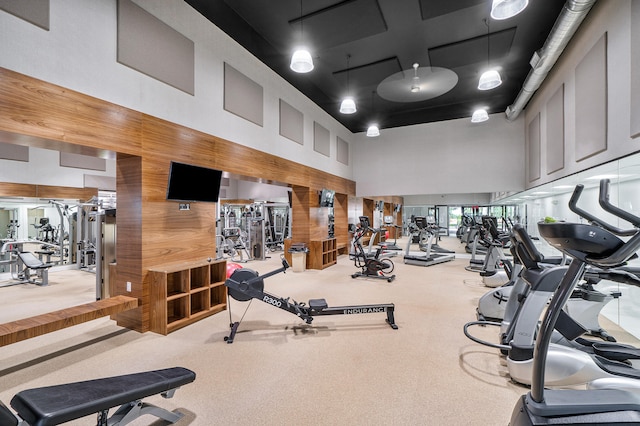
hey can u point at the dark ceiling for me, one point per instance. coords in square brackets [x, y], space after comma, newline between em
[381, 38]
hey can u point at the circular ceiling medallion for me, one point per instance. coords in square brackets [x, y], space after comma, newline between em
[417, 84]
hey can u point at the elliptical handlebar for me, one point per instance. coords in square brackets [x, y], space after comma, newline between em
[522, 237]
[607, 206]
[604, 201]
[629, 248]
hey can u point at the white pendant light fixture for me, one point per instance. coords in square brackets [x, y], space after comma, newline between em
[373, 131]
[348, 105]
[505, 9]
[479, 116]
[489, 79]
[301, 61]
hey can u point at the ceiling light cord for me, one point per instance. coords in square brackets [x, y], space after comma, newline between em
[348, 105]
[373, 130]
[490, 79]
[301, 60]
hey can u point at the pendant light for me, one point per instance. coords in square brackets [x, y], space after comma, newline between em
[348, 105]
[479, 116]
[373, 130]
[301, 61]
[490, 79]
[504, 9]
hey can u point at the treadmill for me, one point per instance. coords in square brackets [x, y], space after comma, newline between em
[426, 257]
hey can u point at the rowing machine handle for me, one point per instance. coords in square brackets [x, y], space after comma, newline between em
[591, 218]
[607, 206]
[285, 266]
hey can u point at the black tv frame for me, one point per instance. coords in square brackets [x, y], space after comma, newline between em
[189, 183]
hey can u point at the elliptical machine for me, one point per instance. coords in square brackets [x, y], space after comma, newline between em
[598, 246]
[370, 267]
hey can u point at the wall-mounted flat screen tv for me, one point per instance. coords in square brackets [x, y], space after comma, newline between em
[326, 198]
[193, 183]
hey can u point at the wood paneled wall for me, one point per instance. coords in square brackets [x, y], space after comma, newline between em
[8, 189]
[151, 230]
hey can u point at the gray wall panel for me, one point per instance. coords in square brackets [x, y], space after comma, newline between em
[152, 47]
[33, 11]
[291, 123]
[321, 141]
[555, 131]
[104, 183]
[79, 161]
[14, 152]
[591, 101]
[533, 143]
[243, 96]
[342, 152]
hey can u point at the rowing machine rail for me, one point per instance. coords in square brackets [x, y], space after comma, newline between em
[245, 284]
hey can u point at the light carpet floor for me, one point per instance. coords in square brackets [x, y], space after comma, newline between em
[340, 370]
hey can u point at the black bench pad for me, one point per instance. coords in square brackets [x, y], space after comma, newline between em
[6, 416]
[57, 404]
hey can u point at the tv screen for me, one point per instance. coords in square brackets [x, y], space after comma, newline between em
[326, 198]
[193, 183]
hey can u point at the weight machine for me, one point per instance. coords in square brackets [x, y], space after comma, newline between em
[245, 284]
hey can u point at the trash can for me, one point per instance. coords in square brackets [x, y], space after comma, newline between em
[298, 257]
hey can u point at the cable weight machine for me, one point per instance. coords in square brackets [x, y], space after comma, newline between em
[245, 285]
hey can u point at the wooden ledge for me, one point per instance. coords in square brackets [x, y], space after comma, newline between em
[16, 331]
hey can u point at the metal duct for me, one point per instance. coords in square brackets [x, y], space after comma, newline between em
[543, 60]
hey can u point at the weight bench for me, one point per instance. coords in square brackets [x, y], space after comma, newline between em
[53, 405]
[32, 263]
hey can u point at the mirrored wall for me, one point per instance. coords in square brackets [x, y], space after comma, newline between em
[552, 200]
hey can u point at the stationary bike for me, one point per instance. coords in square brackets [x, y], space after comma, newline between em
[371, 267]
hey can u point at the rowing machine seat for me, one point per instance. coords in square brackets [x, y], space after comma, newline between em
[53, 405]
[318, 304]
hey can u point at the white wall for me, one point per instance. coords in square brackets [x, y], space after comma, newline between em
[44, 168]
[614, 19]
[79, 53]
[446, 157]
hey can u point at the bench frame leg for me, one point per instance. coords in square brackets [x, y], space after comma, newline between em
[131, 411]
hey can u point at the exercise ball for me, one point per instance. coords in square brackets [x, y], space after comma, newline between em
[231, 267]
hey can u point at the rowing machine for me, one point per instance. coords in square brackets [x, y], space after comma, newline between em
[245, 284]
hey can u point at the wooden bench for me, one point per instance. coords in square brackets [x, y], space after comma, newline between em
[342, 248]
[16, 331]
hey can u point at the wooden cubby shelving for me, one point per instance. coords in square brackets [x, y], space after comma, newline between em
[183, 293]
[322, 253]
